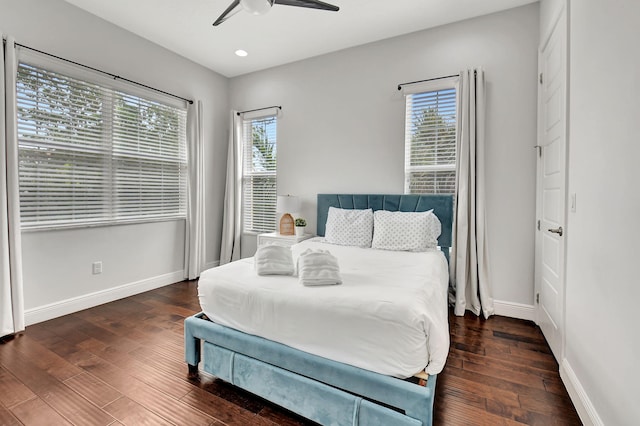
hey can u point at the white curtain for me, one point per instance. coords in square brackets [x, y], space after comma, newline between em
[194, 238]
[470, 255]
[232, 221]
[11, 298]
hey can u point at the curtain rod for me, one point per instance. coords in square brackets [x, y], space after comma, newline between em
[428, 79]
[114, 76]
[259, 109]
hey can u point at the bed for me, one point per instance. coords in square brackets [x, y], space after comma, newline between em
[327, 384]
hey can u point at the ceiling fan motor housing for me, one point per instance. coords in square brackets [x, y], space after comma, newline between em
[256, 7]
[260, 7]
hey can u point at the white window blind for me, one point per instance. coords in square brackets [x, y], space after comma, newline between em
[430, 142]
[90, 154]
[259, 174]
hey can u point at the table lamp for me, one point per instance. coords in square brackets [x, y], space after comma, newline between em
[286, 205]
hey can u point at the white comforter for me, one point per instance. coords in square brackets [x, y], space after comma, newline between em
[388, 316]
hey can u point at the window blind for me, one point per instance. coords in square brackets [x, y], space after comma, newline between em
[90, 154]
[430, 142]
[259, 175]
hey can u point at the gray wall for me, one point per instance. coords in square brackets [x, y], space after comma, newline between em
[342, 130]
[57, 264]
[342, 124]
[602, 286]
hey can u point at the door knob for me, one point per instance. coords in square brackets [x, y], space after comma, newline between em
[558, 230]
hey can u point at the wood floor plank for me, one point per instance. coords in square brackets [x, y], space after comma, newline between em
[149, 397]
[504, 374]
[465, 396]
[525, 416]
[131, 413]
[102, 335]
[223, 410]
[500, 396]
[12, 390]
[36, 412]
[547, 363]
[555, 385]
[146, 372]
[183, 312]
[507, 363]
[531, 353]
[457, 413]
[56, 394]
[123, 363]
[45, 359]
[495, 382]
[7, 418]
[167, 366]
[547, 404]
[93, 389]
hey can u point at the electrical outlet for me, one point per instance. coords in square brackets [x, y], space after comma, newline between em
[97, 267]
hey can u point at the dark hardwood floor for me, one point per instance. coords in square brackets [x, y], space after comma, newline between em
[122, 363]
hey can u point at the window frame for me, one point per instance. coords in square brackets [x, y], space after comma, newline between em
[426, 87]
[271, 176]
[110, 215]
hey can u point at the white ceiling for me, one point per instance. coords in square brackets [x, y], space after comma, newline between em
[285, 34]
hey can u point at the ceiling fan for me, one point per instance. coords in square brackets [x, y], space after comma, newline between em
[260, 7]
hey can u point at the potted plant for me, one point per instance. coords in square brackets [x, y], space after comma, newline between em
[300, 225]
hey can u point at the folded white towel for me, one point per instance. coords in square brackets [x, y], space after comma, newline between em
[318, 267]
[273, 260]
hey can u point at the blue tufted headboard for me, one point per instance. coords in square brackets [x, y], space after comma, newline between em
[442, 206]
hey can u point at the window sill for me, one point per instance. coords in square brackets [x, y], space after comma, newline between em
[99, 224]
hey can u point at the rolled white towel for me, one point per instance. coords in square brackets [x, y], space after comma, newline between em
[273, 260]
[318, 267]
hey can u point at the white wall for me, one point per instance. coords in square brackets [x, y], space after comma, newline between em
[602, 292]
[57, 264]
[342, 124]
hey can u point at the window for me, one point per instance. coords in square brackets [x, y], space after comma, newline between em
[259, 174]
[430, 140]
[90, 154]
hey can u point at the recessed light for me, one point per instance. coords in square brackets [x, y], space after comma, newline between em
[241, 53]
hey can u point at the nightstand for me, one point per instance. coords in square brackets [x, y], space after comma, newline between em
[282, 240]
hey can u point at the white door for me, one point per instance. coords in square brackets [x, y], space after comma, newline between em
[551, 186]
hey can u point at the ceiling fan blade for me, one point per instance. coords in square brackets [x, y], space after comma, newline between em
[312, 4]
[228, 13]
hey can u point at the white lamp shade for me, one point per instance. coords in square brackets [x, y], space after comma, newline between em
[287, 204]
[256, 7]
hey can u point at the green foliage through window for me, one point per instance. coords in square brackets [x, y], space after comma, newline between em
[259, 175]
[430, 143]
[90, 154]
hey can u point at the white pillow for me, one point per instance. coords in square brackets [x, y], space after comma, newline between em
[349, 227]
[408, 231]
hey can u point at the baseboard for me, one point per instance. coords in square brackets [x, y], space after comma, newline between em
[514, 310]
[579, 397]
[75, 304]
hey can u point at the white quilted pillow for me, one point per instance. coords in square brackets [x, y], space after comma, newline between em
[349, 227]
[407, 231]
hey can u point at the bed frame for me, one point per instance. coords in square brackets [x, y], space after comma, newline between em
[322, 390]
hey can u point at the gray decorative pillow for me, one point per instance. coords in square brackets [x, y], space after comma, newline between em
[406, 231]
[349, 227]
